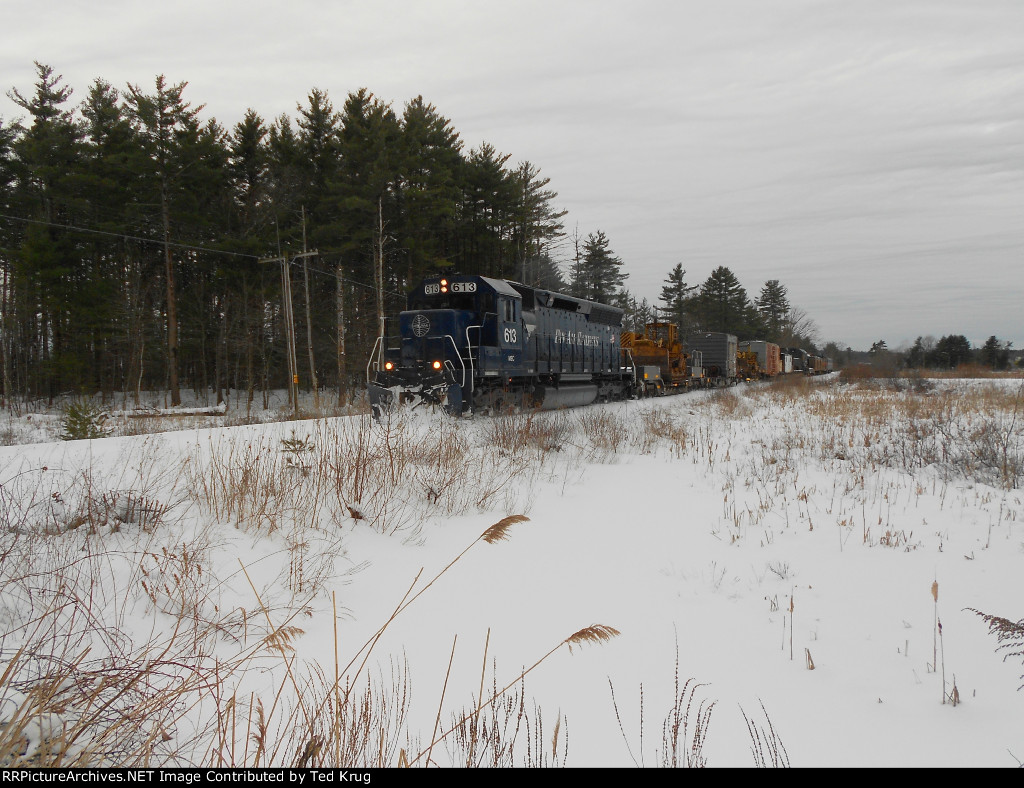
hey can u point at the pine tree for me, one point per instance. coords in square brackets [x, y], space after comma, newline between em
[637, 313]
[577, 282]
[365, 191]
[995, 354]
[161, 119]
[427, 191]
[676, 296]
[8, 239]
[773, 306]
[51, 280]
[249, 169]
[251, 184]
[485, 217]
[536, 225]
[950, 352]
[119, 287]
[915, 356]
[723, 304]
[549, 275]
[315, 215]
[287, 174]
[320, 145]
[599, 276]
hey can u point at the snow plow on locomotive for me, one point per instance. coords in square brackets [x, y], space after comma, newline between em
[474, 343]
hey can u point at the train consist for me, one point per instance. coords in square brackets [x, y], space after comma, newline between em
[478, 344]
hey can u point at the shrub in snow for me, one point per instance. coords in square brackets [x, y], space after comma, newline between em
[81, 420]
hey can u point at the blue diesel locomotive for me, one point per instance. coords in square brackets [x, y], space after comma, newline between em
[477, 344]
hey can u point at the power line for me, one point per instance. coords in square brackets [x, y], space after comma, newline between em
[124, 236]
[177, 245]
[352, 281]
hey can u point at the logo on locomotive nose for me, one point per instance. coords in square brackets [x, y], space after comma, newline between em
[420, 325]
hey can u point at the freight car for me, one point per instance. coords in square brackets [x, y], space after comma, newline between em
[768, 357]
[800, 360]
[719, 352]
[662, 365]
[817, 365]
[473, 343]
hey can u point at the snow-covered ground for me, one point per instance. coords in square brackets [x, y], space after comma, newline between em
[771, 561]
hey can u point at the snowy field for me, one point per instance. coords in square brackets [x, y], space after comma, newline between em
[754, 576]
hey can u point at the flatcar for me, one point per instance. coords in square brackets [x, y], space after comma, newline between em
[474, 343]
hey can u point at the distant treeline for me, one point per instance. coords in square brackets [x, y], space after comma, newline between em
[949, 352]
[141, 247]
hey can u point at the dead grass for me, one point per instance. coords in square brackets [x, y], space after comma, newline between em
[531, 431]
[686, 725]
[861, 373]
[508, 733]
[973, 431]
[657, 426]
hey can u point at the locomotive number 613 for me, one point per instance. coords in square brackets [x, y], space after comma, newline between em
[455, 287]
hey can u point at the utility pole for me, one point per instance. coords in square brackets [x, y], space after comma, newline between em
[340, 297]
[378, 268]
[309, 320]
[289, 322]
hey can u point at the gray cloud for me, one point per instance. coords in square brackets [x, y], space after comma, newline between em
[867, 154]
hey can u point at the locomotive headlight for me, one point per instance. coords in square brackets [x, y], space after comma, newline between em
[444, 285]
[436, 365]
[388, 366]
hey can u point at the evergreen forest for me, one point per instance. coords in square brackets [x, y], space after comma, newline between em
[143, 248]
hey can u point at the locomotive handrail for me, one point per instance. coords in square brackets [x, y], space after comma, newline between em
[374, 353]
[458, 355]
[628, 356]
[469, 347]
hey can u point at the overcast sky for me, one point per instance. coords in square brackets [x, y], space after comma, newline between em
[869, 155]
